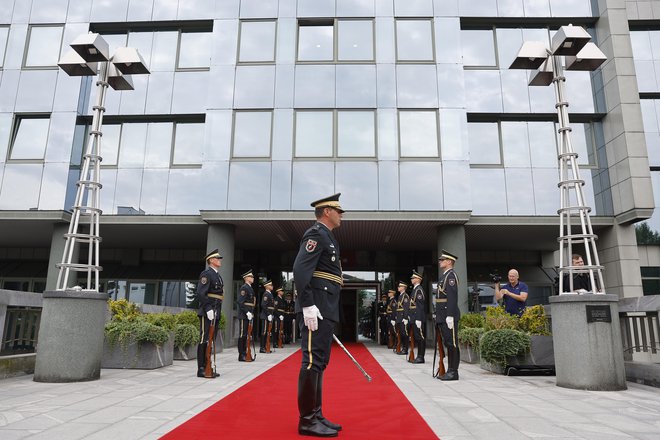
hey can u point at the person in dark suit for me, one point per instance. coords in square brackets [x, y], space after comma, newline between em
[418, 316]
[382, 319]
[246, 303]
[267, 307]
[447, 313]
[391, 311]
[279, 316]
[318, 278]
[401, 317]
[210, 293]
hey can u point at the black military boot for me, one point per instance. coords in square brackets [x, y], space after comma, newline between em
[241, 350]
[319, 404]
[262, 347]
[421, 349]
[449, 375]
[201, 356]
[309, 424]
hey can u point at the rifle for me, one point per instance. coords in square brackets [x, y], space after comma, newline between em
[439, 349]
[398, 340]
[280, 330]
[411, 351]
[268, 332]
[209, 370]
[390, 337]
[249, 342]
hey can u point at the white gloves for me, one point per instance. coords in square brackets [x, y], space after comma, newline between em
[210, 314]
[281, 317]
[249, 315]
[393, 322]
[418, 323]
[270, 318]
[405, 322]
[450, 322]
[311, 315]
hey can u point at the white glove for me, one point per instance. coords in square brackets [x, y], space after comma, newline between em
[405, 322]
[393, 322]
[270, 318]
[450, 322]
[418, 323]
[210, 314]
[281, 317]
[311, 315]
[249, 315]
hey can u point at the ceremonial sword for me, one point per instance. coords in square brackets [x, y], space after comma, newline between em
[352, 358]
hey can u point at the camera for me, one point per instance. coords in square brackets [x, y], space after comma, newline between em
[495, 277]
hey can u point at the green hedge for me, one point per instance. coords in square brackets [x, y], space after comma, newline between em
[186, 334]
[123, 332]
[471, 320]
[496, 345]
[470, 336]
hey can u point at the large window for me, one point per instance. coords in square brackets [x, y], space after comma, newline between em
[651, 280]
[484, 142]
[349, 133]
[478, 48]
[43, 46]
[4, 32]
[335, 40]
[257, 43]
[194, 50]
[252, 133]
[188, 144]
[30, 137]
[418, 133]
[414, 40]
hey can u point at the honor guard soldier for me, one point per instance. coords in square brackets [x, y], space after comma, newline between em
[382, 319]
[246, 303]
[289, 314]
[209, 294]
[267, 307]
[391, 323]
[318, 279]
[402, 310]
[279, 317]
[418, 316]
[447, 313]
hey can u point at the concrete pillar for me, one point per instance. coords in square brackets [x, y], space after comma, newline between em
[221, 236]
[71, 333]
[56, 251]
[617, 248]
[588, 355]
[452, 239]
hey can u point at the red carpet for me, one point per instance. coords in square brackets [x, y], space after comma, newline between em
[266, 407]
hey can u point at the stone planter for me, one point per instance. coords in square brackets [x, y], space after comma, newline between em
[142, 355]
[187, 353]
[468, 354]
[540, 356]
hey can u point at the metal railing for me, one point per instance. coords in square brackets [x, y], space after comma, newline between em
[640, 329]
[21, 330]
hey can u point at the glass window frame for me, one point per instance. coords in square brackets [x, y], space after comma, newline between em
[18, 119]
[270, 135]
[592, 157]
[3, 53]
[435, 111]
[193, 165]
[177, 67]
[396, 41]
[334, 22]
[240, 39]
[495, 65]
[499, 142]
[28, 42]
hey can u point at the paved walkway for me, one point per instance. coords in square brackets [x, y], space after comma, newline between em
[145, 404]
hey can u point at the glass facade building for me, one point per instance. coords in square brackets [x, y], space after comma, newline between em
[254, 108]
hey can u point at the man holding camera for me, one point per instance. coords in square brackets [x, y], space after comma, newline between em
[514, 293]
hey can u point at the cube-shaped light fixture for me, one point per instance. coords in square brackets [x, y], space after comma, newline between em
[530, 56]
[544, 75]
[589, 58]
[569, 40]
[92, 47]
[74, 65]
[118, 81]
[129, 61]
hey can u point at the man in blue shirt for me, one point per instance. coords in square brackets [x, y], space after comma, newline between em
[514, 294]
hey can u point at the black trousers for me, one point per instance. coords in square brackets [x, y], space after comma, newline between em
[316, 344]
[403, 332]
[204, 327]
[450, 341]
[288, 328]
[382, 323]
[242, 335]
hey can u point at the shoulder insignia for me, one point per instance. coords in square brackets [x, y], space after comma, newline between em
[203, 280]
[311, 245]
[265, 297]
[405, 300]
[452, 281]
[420, 296]
[242, 292]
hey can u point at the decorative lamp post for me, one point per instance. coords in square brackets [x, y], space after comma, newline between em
[71, 332]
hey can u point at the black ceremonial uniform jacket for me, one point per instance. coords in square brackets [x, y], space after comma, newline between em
[391, 308]
[246, 301]
[289, 309]
[446, 301]
[317, 272]
[382, 309]
[210, 283]
[267, 305]
[402, 307]
[418, 304]
[279, 307]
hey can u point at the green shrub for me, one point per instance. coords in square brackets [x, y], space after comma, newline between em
[496, 345]
[186, 334]
[122, 310]
[497, 318]
[123, 332]
[471, 320]
[470, 336]
[164, 320]
[534, 321]
[187, 317]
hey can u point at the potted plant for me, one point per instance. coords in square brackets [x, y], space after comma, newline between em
[186, 335]
[470, 329]
[534, 322]
[499, 346]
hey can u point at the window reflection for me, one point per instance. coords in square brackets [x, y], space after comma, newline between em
[356, 135]
[414, 40]
[20, 186]
[257, 41]
[484, 141]
[315, 42]
[43, 49]
[30, 139]
[110, 144]
[194, 50]
[252, 133]
[313, 134]
[418, 133]
[4, 32]
[159, 145]
[355, 40]
[188, 144]
[478, 48]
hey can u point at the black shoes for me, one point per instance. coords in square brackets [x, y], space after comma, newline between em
[417, 360]
[241, 358]
[449, 375]
[200, 373]
[262, 350]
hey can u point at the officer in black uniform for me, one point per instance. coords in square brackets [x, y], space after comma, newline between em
[246, 303]
[267, 307]
[382, 319]
[447, 313]
[402, 310]
[391, 323]
[418, 316]
[209, 294]
[289, 314]
[318, 278]
[279, 316]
